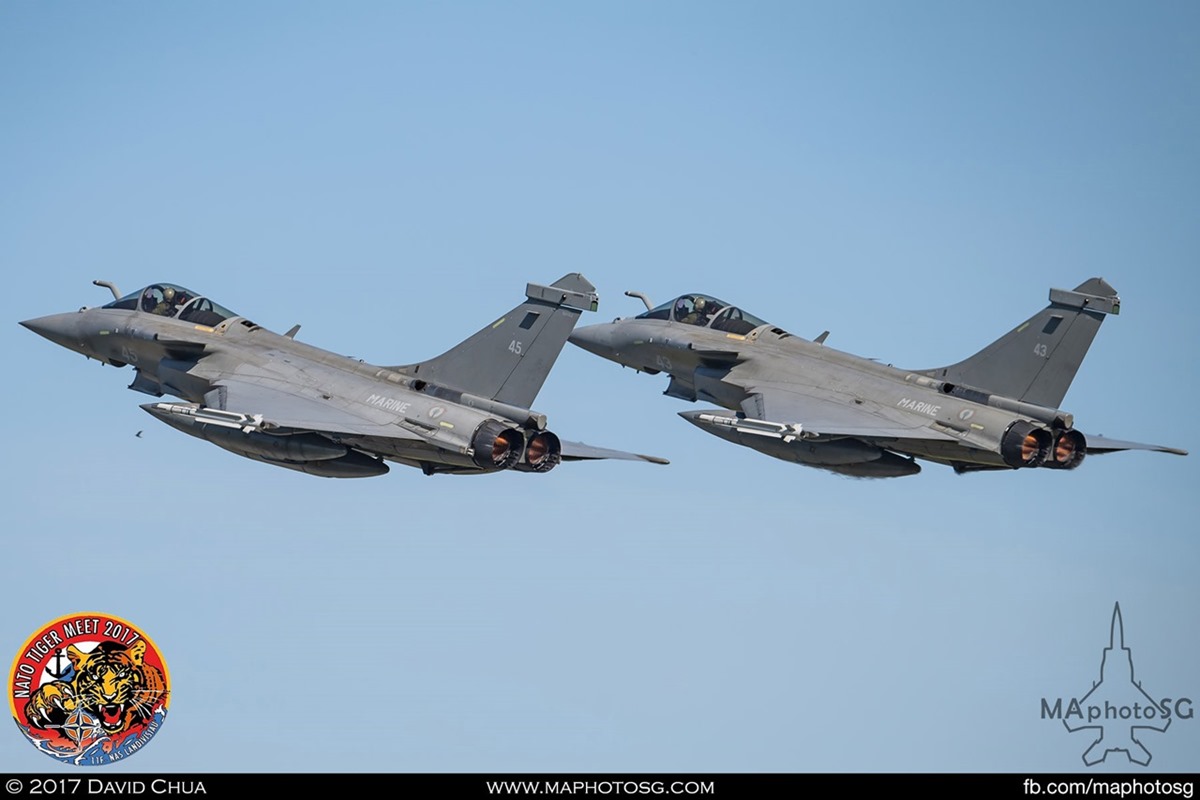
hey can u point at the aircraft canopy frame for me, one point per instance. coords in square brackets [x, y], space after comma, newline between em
[705, 311]
[172, 300]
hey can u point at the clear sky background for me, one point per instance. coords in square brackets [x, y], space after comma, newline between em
[913, 177]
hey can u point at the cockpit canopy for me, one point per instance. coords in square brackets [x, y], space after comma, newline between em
[706, 312]
[170, 300]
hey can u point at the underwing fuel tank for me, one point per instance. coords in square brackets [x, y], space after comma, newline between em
[786, 442]
[888, 465]
[304, 452]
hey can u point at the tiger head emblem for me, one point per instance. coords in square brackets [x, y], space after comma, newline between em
[112, 683]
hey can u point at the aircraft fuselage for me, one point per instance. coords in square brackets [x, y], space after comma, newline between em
[967, 427]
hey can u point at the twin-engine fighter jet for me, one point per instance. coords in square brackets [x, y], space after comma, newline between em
[801, 401]
[273, 399]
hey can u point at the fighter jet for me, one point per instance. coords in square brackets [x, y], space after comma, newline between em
[799, 400]
[271, 398]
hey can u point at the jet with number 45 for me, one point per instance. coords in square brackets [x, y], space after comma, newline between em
[271, 398]
[801, 401]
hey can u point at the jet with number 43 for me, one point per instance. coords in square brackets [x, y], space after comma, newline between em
[801, 401]
[274, 399]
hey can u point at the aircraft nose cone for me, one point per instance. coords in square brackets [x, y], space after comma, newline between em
[62, 329]
[596, 339]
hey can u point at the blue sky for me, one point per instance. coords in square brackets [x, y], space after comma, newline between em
[912, 177]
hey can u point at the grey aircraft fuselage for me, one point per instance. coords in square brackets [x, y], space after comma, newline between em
[802, 401]
[274, 399]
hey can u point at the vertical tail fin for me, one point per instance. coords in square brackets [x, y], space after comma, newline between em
[509, 359]
[1037, 361]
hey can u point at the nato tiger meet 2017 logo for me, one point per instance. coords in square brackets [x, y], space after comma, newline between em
[89, 689]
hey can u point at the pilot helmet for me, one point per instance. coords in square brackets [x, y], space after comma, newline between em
[701, 303]
[168, 294]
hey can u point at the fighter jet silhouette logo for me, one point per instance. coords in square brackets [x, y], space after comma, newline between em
[1119, 700]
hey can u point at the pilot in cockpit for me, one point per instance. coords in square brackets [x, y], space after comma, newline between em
[162, 300]
[699, 315]
[166, 306]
